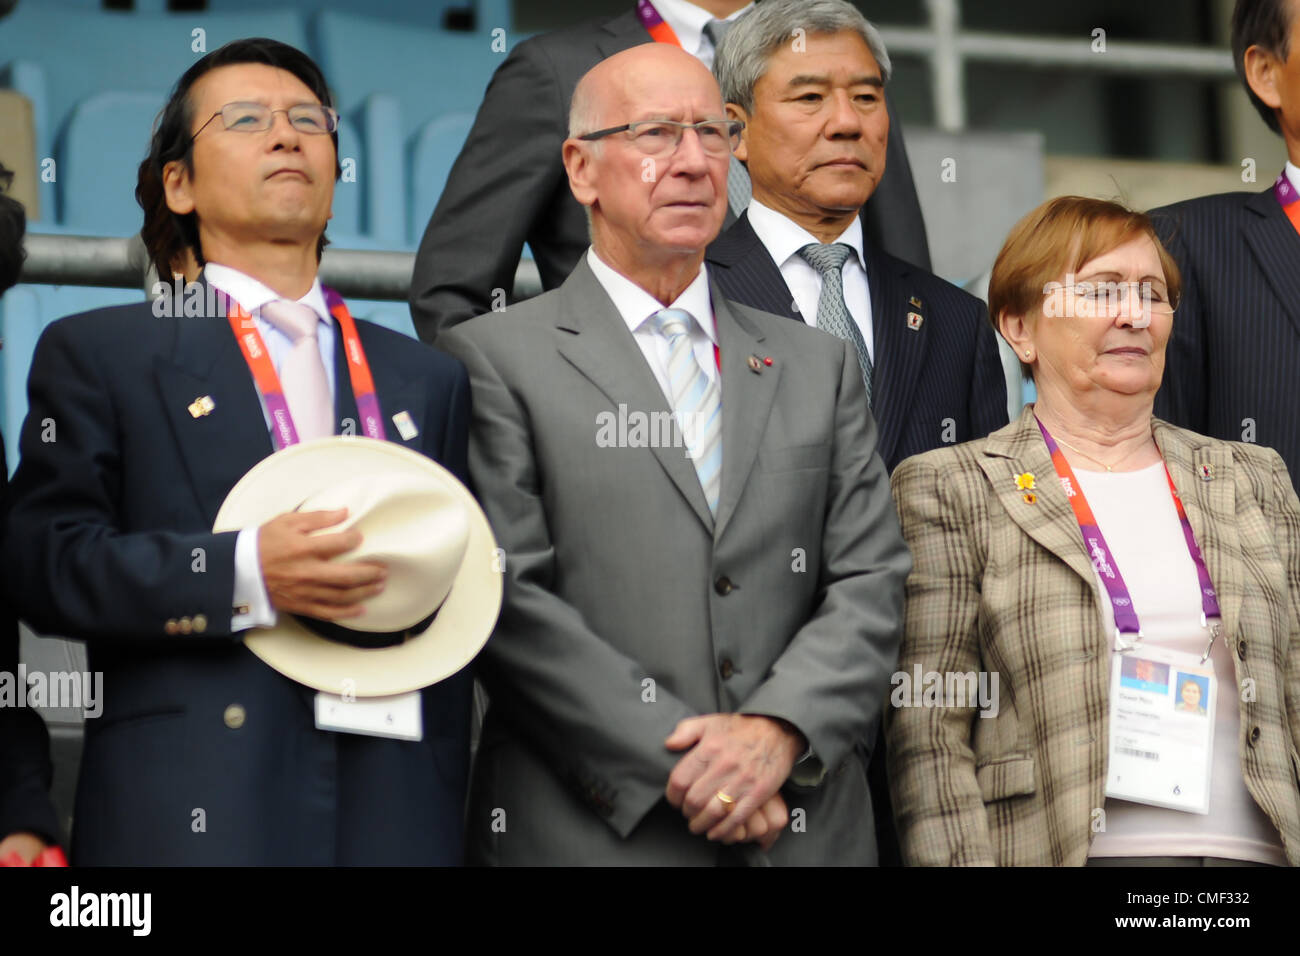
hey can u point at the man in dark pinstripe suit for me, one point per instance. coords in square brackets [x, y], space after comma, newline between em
[1234, 360]
[815, 141]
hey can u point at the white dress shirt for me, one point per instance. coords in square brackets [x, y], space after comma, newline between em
[250, 590]
[636, 306]
[784, 238]
[688, 20]
[1293, 174]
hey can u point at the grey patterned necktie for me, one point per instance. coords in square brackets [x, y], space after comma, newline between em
[739, 190]
[832, 313]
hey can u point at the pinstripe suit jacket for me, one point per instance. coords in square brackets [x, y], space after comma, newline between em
[938, 383]
[1002, 585]
[1234, 358]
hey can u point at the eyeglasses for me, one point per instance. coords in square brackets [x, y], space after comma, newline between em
[659, 137]
[1106, 298]
[254, 118]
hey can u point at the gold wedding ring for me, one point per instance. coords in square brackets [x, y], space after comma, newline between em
[727, 799]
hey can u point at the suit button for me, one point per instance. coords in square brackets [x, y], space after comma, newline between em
[723, 585]
[1241, 649]
[234, 716]
[1254, 736]
[172, 627]
[726, 668]
[186, 625]
[200, 623]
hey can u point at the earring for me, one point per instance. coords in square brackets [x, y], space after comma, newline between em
[1028, 353]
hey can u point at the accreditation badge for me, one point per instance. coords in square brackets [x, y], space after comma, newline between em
[1161, 729]
[399, 716]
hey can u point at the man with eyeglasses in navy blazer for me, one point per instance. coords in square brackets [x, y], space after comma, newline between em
[141, 421]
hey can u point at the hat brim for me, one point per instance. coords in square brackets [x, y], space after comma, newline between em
[280, 483]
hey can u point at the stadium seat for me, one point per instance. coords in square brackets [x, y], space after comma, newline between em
[429, 72]
[98, 158]
[434, 149]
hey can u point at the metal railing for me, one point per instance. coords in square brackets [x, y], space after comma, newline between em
[123, 264]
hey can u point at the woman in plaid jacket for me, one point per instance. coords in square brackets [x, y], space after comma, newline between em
[1055, 554]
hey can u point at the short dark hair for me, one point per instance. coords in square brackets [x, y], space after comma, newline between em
[13, 225]
[167, 235]
[1267, 24]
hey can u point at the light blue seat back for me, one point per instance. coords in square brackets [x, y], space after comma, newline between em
[433, 151]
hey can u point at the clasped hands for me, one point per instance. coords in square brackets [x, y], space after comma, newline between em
[745, 757]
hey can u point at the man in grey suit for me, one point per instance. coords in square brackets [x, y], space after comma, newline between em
[705, 568]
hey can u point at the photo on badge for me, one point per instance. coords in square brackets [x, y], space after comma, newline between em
[1193, 692]
[1138, 673]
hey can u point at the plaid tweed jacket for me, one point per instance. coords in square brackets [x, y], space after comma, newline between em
[1003, 585]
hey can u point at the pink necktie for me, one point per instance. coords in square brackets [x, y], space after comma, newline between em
[302, 374]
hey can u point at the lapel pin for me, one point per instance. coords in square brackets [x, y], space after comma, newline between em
[767, 360]
[1207, 472]
[1025, 482]
[1030, 497]
[203, 405]
[754, 364]
[914, 320]
[405, 426]
[914, 302]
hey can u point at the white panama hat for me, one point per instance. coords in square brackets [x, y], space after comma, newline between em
[416, 518]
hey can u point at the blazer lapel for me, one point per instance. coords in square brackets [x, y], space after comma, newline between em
[1018, 449]
[601, 348]
[899, 347]
[1276, 246]
[751, 270]
[218, 446]
[747, 396]
[1203, 474]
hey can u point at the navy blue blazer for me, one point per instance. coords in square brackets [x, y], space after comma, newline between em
[936, 384]
[1233, 361]
[111, 510]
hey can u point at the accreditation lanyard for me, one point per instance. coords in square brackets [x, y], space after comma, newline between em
[1126, 619]
[654, 24]
[1288, 198]
[259, 362]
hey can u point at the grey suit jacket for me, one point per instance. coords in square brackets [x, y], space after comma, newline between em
[629, 608]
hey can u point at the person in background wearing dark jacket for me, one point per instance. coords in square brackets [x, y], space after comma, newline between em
[1235, 354]
[28, 823]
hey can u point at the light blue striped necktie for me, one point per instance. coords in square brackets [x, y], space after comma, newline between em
[697, 401]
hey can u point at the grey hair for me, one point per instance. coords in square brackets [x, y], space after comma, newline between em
[583, 110]
[742, 58]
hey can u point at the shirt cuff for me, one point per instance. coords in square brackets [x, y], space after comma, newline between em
[251, 606]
